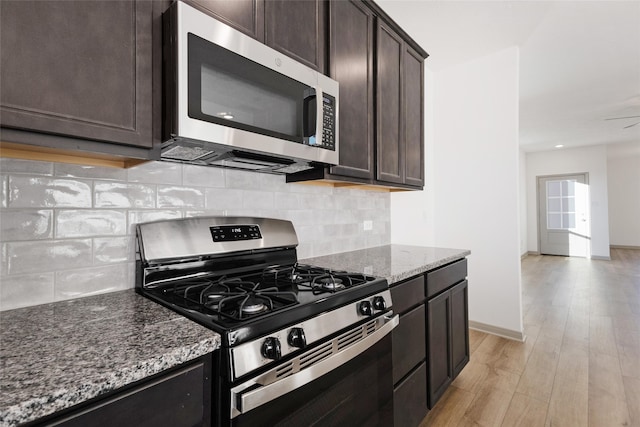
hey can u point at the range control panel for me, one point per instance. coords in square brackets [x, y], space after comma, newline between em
[232, 233]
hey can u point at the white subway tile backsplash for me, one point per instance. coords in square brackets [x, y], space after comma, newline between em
[136, 217]
[205, 212]
[30, 167]
[74, 232]
[90, 172]
[40, 192]
[253, 199]
[3, 260]
[109, 250]
[223, 199]
[120, 195]
[300, 187]
[156, 173]
[3, 191]
[241, 179]
[273, 183]
[21, 224]
[173, 197]
[48, 255]
[287, 201]
[90, 281]
[90, 222]
[202, 176]
[25, 290]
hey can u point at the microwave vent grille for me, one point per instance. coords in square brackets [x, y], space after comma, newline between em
[185, 153]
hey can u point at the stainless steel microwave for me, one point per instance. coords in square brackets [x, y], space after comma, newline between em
[234, 102]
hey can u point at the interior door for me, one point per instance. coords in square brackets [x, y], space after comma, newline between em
[563, 215]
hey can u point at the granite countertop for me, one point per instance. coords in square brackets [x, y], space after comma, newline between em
[54, 356]
[393, 262]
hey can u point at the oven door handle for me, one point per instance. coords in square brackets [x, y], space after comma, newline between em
[243, 402]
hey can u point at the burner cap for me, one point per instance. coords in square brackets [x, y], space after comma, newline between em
[331, 283]
[214, 296]
[253, 306]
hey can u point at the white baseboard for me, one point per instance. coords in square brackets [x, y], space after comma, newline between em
[495, 330]
[598, 257]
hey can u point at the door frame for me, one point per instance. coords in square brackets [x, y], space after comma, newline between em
[539, 212]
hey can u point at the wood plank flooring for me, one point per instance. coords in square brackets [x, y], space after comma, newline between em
[580, 364]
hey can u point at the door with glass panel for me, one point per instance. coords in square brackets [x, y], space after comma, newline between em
[563, 215]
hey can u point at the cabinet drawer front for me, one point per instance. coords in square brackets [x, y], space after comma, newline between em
[407, 294]
[445, 277]
[177, 400]
[410, 399]
[409, 347]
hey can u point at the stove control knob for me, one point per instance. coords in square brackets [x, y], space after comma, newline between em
[296, 338]
[271, 348]
[365, 308]
[379, 303]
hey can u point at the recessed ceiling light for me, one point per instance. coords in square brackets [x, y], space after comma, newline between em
[559, 146]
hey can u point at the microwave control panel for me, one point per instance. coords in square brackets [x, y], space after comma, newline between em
[328, 122]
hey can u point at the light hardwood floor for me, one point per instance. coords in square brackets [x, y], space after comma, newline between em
[580, 363]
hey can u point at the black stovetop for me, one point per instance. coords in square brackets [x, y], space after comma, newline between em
[249, 305]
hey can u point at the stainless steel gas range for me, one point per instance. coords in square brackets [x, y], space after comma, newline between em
[301, 345]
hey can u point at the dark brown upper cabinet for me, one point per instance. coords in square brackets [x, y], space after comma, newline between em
[79, 75]
[380, 71]
[296, 28]
[413, 116]
[389, 144]
[400, 141]
[351, 64]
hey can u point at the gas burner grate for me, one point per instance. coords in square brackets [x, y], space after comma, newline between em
[233, 298]
[319, 280]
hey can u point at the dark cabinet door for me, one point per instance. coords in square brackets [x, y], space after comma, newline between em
[244, 15]
[179, 398]
[413, 117]
[440, 373]
[408, 343]
[390, 148]
[298, 29]
[459, 327]
[78, 68]
[351, 64]
[410, 399]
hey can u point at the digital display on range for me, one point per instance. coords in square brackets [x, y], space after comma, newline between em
[232, 233]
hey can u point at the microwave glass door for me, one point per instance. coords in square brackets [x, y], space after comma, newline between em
[228, 89]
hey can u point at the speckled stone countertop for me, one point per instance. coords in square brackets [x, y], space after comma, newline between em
[393, 262]
[54, 356]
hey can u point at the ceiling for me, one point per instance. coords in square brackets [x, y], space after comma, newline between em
[579, 60]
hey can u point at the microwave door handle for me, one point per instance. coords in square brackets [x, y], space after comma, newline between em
[319, 115]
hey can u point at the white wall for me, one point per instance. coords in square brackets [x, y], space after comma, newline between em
[623, 184]
[523, 203]
[592, 160]
[471, 199]
[412, 219]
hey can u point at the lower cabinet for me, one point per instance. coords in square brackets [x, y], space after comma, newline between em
[409, 351]
[409, 399]
[431, 343]
[181, 397]
[447, 330]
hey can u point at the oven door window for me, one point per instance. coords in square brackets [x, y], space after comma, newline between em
[228, 89]
[359, 392]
